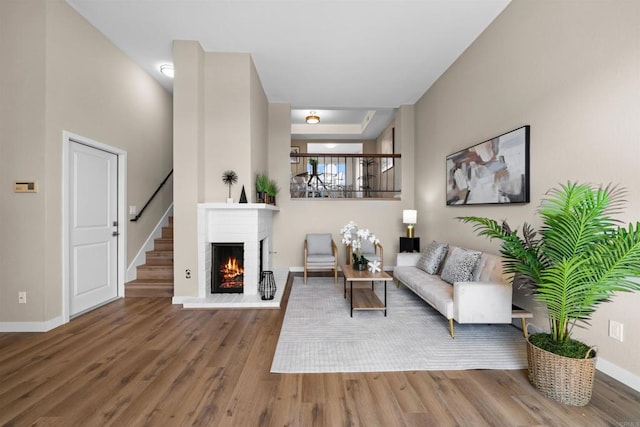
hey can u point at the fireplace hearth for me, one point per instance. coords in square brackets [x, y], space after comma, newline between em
[227, 268]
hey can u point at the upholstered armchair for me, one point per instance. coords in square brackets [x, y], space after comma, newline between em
[371, 251]
[320, 253]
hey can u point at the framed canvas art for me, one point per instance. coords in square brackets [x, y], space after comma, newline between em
[295, 150]
[491, 172]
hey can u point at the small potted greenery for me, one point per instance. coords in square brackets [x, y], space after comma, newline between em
[262, 181]
[272, 190]
[578, 259]
[229, 177]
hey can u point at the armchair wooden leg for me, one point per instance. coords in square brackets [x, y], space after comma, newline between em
[451, 328]
[305, 275]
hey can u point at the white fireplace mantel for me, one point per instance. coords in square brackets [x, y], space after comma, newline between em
[247, 223]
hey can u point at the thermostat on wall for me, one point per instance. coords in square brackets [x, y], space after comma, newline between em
[25, 187]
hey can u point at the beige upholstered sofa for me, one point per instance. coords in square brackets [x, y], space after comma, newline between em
[484, 297]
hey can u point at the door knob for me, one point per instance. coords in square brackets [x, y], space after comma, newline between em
[115, 233]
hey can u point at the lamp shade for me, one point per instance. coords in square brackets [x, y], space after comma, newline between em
[409, 216]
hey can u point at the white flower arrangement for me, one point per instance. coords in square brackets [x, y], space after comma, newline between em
[352, 235]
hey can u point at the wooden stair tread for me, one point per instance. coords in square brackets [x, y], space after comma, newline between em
[154, 266]
[150, 282]
[155, 276]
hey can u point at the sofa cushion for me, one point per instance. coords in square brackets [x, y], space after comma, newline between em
[459, 265]
[432, 257]
[430, 288]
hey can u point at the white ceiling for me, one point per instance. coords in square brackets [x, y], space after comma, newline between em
[350, 56]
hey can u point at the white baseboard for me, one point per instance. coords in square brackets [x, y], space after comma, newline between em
[140, 257]
[625, 377]
[31, 326]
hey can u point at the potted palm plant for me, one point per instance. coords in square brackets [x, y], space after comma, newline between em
[577, 260]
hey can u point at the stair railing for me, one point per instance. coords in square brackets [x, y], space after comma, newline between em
[139, 214]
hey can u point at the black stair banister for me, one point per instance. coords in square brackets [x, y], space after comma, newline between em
[135, 218]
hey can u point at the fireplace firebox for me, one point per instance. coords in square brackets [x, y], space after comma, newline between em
[227, 268]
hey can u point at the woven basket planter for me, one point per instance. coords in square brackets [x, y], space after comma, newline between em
[563, 379]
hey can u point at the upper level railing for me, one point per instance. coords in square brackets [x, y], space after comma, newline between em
[353, 176]
[137, 217]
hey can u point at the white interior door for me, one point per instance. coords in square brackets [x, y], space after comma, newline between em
[93, 240]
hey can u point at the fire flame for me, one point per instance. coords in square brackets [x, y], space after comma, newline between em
[231, 270]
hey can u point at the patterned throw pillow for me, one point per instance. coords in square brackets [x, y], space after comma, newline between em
[432, 256]
[459, 265]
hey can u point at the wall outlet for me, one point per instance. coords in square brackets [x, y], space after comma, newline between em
[22, 297]
[187, 273]
[616, 330]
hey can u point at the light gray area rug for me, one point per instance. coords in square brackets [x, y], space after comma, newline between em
[319, 336]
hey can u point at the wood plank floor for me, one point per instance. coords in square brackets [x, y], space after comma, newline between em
[142, 361]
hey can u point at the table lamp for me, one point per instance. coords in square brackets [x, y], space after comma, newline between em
[409, 217]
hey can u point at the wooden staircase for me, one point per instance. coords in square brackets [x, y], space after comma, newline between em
[155, 277]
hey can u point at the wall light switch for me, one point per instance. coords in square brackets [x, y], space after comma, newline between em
[133, 210]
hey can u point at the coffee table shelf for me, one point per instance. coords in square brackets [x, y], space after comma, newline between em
[365, 298]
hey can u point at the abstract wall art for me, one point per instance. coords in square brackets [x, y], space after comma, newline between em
[492, 172]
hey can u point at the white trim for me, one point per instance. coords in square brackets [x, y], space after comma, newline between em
[31, 326]
[625, 377]
[67, 138]
[140, 258]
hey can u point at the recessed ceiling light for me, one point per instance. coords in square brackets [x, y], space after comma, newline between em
[167, 70]
[313, 118]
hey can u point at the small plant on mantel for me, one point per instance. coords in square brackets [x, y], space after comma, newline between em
[272, 190]
[578, 259]
[229, 177]
[262, 182]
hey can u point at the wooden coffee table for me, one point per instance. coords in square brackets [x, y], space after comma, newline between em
[365, 298]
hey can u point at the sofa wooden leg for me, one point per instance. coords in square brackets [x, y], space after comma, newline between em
[524, 328]
[451, 328]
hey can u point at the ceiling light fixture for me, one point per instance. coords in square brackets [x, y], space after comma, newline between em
[167, 70]
[312, 118]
